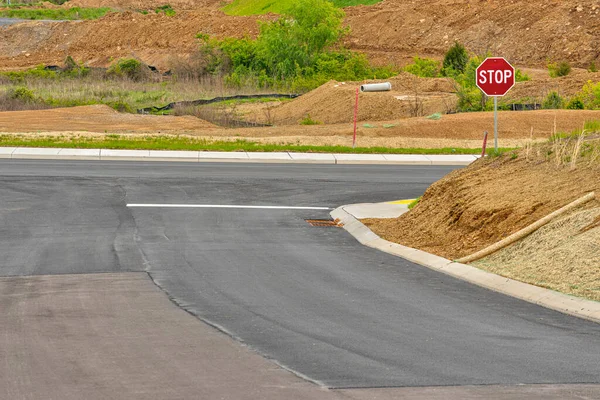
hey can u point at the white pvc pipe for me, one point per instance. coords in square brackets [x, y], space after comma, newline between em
[376, 87]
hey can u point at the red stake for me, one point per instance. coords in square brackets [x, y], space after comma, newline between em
[355, 116]
[485, 135]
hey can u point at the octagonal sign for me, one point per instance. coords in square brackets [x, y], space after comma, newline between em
[495, 76]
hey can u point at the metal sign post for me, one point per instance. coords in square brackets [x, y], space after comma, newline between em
[495, 77]
[496, 124]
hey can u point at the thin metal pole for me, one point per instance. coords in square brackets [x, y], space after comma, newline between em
[355, 117]
[483, 147]
[496, 124]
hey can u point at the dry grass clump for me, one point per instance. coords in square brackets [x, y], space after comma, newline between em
[563, 255]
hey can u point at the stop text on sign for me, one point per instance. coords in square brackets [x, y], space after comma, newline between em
[495, 76]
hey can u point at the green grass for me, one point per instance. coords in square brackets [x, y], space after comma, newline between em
[187, 143]
[255, 7]
[414, 203]
[75, 13]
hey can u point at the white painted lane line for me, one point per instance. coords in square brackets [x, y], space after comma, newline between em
[227, 206]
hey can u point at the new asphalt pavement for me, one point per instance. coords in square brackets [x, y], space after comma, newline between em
[311, 299]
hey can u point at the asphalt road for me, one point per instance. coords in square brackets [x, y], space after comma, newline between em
[312, 299]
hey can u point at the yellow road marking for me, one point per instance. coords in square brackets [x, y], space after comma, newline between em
[407, 201]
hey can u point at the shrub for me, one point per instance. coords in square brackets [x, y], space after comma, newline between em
[590, 95]
[553, 101]
[22, 94]
[455, 60]
[424, 67]
[129, 68]
[520, 76]
[592, 67]
[560, 69]
[309, 121]
[296, 51]
[121, 106]
[575, 104]
[167, 9]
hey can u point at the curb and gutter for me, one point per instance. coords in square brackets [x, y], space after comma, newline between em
[349, 216]
[241, 156]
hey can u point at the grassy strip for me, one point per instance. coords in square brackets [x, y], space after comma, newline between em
[75, 13]
[187, 143]
[256, 7]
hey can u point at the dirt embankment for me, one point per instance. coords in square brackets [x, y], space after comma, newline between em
[97, 118]
[528, 33]
[154, 38]
[334, 102]
[541, 84]
[473, 208]
[393, 31]
[145, 4]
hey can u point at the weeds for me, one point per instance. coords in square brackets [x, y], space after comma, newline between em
[309, 121]
[74, 13]
[112, 141]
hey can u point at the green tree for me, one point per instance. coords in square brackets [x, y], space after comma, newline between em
[295, 41]
[455, 60]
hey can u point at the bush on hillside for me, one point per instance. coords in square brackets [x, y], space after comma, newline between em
[130, 68]
[300, 49]
[590, 95]
[575, 104]
[560, 69]
[424, 67]
[455, 60]
[553, 101]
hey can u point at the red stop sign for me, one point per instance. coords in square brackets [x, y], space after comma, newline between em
[495, 76]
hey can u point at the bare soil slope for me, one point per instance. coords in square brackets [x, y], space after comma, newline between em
[154, 38]
[145, 4]
[529, 33]
[457, 130]
[334, 102]
[98, 118]
[491, 199]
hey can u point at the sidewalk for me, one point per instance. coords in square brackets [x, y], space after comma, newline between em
[211, 156]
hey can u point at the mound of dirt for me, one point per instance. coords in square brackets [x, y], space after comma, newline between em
[96, 118]
[144, 4]
[154, 38]
[541, 84]
[473, 208]
[528, 33]
[334, 101]
[392, 31]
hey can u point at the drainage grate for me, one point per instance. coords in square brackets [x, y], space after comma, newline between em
[324, 222]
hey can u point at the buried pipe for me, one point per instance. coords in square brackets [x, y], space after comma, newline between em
[525, 231]
[376, 87]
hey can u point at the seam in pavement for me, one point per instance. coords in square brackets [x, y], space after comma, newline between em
[197, 156]
[231, 335]
[578, 307]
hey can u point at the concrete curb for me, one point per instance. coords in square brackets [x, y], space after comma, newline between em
[578, 307]
[212, 156]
